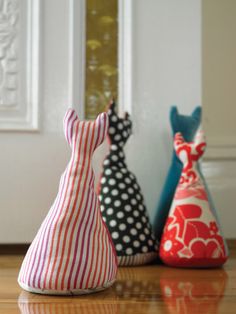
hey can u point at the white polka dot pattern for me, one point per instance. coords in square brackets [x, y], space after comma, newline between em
[122, 202]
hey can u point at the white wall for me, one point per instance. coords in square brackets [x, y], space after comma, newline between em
[31, 163]
[166, 71]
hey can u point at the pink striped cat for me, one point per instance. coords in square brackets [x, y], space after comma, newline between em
[72, 252]
[191, 236]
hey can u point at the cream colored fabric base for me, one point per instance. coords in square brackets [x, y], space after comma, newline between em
[138, 259]
[65, 292]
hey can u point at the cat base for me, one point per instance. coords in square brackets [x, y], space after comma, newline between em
[65, 292]
[136, 260]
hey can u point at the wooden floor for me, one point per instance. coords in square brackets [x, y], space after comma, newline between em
[151, 289]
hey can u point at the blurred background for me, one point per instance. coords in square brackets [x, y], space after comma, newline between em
[148, 55]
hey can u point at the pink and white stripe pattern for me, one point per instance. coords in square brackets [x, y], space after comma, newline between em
[72, 252]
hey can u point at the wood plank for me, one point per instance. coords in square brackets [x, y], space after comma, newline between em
[149, 289]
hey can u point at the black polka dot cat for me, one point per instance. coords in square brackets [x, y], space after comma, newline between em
[122, 203]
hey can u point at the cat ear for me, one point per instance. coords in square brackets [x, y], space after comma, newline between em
[112, 108]
[182, 148]
[197, 113]
[173, 114]
[101, 127]
[68, 124]
[127, 116]
[127, 122]
[200, 142]
[178, 140]
[199, 137]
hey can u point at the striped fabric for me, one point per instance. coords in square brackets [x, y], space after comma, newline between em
[138, 259]
[68, 308]
[72, 252]
[28, 304]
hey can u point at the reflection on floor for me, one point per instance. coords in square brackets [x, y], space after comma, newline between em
[149, 289]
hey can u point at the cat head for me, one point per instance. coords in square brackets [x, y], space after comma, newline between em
[186, 125]
[119, 128]
[189, 152]
[85, 136]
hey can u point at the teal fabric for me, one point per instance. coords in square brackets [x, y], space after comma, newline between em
[188, 126]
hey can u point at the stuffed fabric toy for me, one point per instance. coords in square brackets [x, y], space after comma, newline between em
[188, 126]
[122, 203]
[72, 252]
[191, 237]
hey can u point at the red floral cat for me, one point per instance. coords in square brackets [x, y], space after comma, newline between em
[191, 236]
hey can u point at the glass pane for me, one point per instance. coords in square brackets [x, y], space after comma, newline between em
[101, 55]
